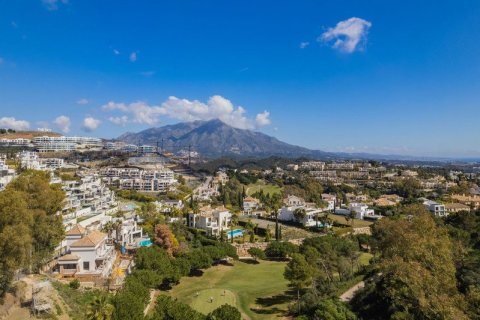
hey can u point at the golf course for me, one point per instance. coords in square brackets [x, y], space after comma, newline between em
[259, 291]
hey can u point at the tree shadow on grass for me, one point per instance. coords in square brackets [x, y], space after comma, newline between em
[249, 261]
[274, 300]
[268, 311]
[196, 273]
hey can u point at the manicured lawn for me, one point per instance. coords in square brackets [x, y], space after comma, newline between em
[260, 185]
[357, 223]
[259, 291]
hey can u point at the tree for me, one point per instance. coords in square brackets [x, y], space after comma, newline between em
[100, 308]
[417, 271]
[165, 238]
[299, 272]
[299, 214]
[256, 253]
[274, 203]
[331, 309]
[277, 249]
[225, 312]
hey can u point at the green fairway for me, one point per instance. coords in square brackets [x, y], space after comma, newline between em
[260, 185]
[259, 291]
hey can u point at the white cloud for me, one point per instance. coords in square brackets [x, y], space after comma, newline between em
[53, 4]
[121, 121]
[116, 52]
[90, 124]
[217, 107]
[141, 112]
[348, 35]
[305, 44]
[12, 123]
[63, 122]
[133, 56]
[263, 119]
[82, 101]
[14, 24]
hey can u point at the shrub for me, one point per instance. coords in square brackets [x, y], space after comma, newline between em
[74, 284]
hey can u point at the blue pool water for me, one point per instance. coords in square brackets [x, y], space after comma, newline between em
[145, 243]
[234, 233]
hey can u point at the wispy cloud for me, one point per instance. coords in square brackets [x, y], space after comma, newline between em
[54, 4]
[304, 44]
[116, 52]
[82, 101]
[90, 124]
[147, 73]
[63, 123]
[133, 57]
[14, 24]
[121, 121]
[217, 107]
[12, 123]
[348, 35]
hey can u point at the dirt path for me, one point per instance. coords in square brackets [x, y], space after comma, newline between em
[153, 298]
[350, 293]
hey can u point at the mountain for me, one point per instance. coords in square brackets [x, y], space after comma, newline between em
[214, 138]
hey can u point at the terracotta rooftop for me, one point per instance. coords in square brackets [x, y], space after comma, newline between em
[69, 257]
[90, 240]
[76, 230]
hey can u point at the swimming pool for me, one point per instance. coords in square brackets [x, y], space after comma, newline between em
[234, 233]
[145, 243]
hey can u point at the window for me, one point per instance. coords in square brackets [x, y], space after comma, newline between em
[86, 265]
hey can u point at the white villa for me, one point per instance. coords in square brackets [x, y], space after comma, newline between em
[292, 200]
[211, 220]
[287, 214]
[434, 207]
[90, 256]
[250, 204]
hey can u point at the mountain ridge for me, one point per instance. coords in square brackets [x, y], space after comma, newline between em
[214, 138]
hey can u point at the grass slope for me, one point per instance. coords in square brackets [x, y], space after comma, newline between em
[260, 185]
[259, 291]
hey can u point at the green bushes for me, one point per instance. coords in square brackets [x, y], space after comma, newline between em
[277, 249]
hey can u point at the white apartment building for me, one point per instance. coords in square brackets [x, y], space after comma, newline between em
[15, 142]
[31, 160]
[87, 198]
[313, 165]
[214, 221]
[65, 144]
[140, 180]
[6, 174]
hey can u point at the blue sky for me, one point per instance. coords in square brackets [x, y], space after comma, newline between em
[392, 77]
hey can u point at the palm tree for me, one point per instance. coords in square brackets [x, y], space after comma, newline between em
[100, 308]
[108, 228]
[233, 222]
